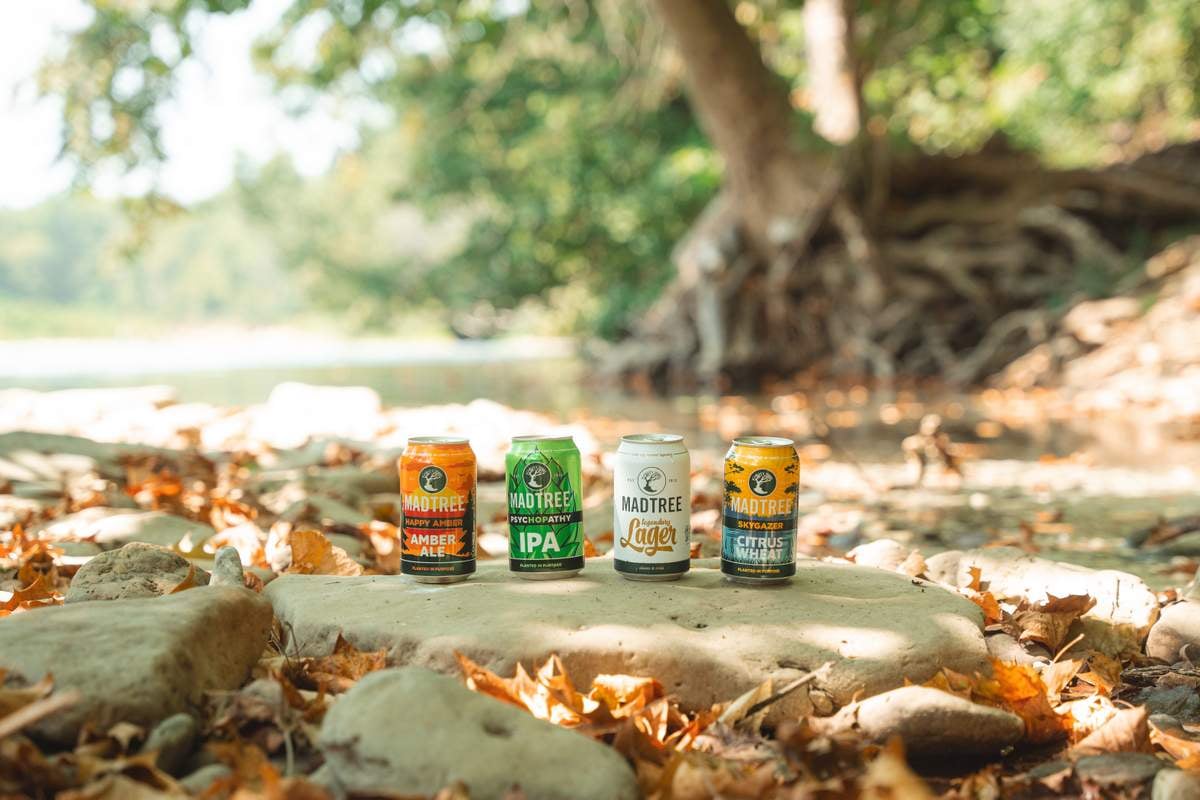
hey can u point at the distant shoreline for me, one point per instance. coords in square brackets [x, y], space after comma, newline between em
[272, 348]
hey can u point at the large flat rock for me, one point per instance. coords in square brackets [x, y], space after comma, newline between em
[136, 660]
[415, 732]
[706, 639]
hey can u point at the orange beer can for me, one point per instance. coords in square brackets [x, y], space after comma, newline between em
[437, 487]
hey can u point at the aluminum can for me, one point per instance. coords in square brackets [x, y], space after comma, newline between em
[652, 507]
[437, 488]
[758, 522]
[545, 507]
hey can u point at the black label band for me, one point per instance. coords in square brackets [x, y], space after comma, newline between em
[652, 567]
[544, 564]
[785, 524]
[558, 518]
[741, 570]
[440, 567]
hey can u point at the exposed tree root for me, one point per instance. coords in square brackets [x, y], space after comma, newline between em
[957, 268]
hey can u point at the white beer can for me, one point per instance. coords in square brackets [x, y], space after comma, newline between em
[652, 507]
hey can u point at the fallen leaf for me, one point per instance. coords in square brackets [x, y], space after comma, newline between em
[189, 581]
[337, 672]
[888, 777]
[36, 595]
[313, 554]
[1126, 732]
[1047, 622]
[1176, 742]
[120, 787]
[1019, 688]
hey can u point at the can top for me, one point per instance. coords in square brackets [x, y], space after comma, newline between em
[764, 441]
[543, 437]
[437, 440]
[652, 438]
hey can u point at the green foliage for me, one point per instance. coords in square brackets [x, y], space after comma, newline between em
[63, 271]
[550, 144]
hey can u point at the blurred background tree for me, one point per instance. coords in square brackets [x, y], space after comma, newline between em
[918, 187]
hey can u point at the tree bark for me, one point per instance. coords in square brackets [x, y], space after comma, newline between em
[745, 110]
[832, 75]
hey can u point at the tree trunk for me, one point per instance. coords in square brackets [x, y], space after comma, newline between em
[910, 266]
[745, 110]
[833, 83]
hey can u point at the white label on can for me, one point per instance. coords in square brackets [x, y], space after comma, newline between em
[652, 513]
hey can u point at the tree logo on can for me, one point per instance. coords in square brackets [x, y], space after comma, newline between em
[651, 480]
[762, 482]
[536, 476]
[432, 479]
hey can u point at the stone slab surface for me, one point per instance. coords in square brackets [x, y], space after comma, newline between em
[706, 639]
[1125, 607]
[137, 660]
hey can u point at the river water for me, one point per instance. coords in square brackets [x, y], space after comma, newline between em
[1090, 481]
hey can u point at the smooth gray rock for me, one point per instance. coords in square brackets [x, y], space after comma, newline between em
[1118, 769]
[227, 568]
[1118, 623]
[135, 570]
[706, 639]
[1003, 647]
[113, 527]
[136, 661]
[1177, 625]
[412, 731]
[1176, 784]
[931, 722]
[173, 740]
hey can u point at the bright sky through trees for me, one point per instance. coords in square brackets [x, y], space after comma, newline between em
[223, 110]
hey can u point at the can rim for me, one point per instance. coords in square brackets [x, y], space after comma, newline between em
[543, 437]
[437, 440]
[764, 441]
[652, 438]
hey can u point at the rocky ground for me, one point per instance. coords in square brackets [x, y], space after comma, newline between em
[200, 600]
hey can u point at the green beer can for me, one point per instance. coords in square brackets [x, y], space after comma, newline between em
[545, 509]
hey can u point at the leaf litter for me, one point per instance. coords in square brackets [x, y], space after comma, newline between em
[1073, 707]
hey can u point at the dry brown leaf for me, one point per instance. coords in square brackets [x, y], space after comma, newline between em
[313, 554]
[336, 672]
[12, 699]
[35, 711]
[36, 595]
[1178, 743]
[987, 603]
[120, 787]
[1103, 674]
[189, 581]
[1019, 688]
[1126, 732]
[1057, 675]
[976, 582]
[38, 561]
[589, 548]
[624, 694]
[888, 777]
[951, 682]
[1047, 622]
